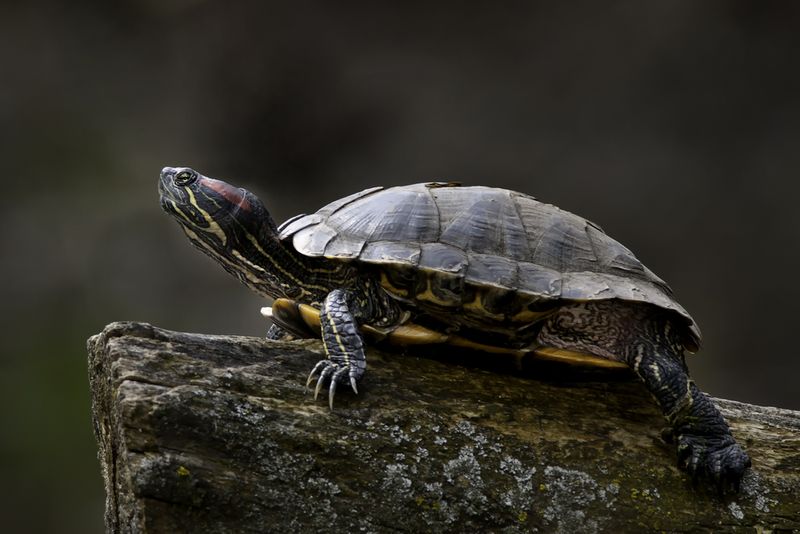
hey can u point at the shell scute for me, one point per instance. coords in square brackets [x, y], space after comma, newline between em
[585, 286]
[488, 223]
[343, 245]
[564, 247]
[337, 204]
[312, 240]
[538, 280]
[302, 220]
[443, 257]
[492, 270]
[399, 216]
[390, 252]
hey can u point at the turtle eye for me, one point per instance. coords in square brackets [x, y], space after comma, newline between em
[185, 177]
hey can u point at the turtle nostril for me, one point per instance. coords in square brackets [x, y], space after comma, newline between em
[167, 171]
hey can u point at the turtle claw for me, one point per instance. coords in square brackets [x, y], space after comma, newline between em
[720, 461]
[331, 392]
[338, 374]
[328, 371]
[320, 365]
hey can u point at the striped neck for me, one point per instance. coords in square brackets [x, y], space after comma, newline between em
[232, 226]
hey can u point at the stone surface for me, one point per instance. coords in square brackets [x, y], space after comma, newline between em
[218, 434]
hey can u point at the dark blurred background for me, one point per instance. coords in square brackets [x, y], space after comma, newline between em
[674, 125]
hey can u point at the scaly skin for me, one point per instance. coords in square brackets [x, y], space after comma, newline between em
[343, 344]
[276, 333]
[644, 337]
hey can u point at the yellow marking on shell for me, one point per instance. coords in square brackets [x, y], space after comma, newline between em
[458, 341]
[410, 334]
[290, 308]
[529, 316]
[310, 315]
[212, 224]
[429, 296]
[414, 334]
[568, 356]
[387, 285]
[477, 307]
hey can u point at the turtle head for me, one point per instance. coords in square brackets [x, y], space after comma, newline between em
[228, 223]
[210, 206]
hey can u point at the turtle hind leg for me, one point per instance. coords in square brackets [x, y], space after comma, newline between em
[706, 448]
[276, 333]
[644, 337]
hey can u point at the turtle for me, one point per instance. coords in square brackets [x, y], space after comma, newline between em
[473, 266]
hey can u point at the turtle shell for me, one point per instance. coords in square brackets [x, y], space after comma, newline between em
[484, 238]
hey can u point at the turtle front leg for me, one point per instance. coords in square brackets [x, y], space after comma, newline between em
[343, 344]
[706, 447]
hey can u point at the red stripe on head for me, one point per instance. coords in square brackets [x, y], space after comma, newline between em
[234, 195]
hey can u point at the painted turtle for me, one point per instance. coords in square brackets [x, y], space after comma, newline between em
[472, 266]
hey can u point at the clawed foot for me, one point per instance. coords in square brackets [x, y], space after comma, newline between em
[338, 374]
[276, 333]
[718, 459]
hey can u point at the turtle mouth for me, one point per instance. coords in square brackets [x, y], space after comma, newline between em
[170, 194]
[167, 188]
